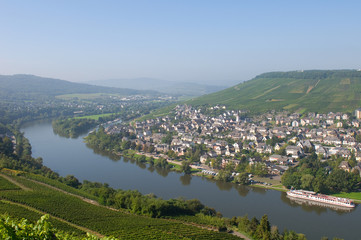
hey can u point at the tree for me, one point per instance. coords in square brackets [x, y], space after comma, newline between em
[126, 145]
[259, 169]
[291, 178]
[253, 225]
[185, 167]
[138, 147]
[72, 181]
[168, 138]
[306, 181]
[224, 175]
[264, 230]
[275, 235]
[6, 146]
[151, 149]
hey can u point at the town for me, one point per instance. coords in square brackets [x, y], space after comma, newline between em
[269, 143]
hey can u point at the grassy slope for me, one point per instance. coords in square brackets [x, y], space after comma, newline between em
[263, 93]
[96, 218]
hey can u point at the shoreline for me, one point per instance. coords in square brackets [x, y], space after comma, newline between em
[196, 172]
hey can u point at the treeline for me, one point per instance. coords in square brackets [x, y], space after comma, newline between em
[148, 205]
[106, 142]
[324, 177]
[73, 127]
[313, 74]
[261, 229]
[17, 114]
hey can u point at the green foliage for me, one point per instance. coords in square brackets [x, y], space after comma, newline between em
[24, 230]
[168, 138]
[42, 229]
[186, 168]
[241, 178]
[262, 229]
[161, 162]
[73, 127]
[6, 146]
[314, 91]
[311, 174]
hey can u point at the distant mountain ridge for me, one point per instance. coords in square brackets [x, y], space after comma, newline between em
[30, 85]
[169, 87]
[311, 90]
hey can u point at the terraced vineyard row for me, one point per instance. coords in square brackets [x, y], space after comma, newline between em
[6, 185]
[104, 220]
[59, 185]
[19, 212]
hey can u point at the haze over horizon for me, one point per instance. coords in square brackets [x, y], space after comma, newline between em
[213, 42]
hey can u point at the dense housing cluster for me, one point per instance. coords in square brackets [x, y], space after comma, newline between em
[273, 140]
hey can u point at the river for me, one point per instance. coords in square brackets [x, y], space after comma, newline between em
[72, 156]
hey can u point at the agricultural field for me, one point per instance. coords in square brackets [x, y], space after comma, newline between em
[312, 91]
[95, 117]
[19, 212]
[6, 185]
[60, 185]
[100, 219]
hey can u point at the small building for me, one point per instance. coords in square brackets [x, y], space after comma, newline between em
[344, 165]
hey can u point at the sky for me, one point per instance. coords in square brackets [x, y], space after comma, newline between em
[206, 41]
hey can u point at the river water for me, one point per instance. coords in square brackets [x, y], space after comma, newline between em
[72, 156]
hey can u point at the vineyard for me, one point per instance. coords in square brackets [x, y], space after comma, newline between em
[57, 184]
[20, 212]
[6, 185]
[97, 218]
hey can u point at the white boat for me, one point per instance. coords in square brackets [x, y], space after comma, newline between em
[312, 196]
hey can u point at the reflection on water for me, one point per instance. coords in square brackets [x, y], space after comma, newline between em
[224, 186]
[313, 206]
[162, 171]
[185, 179]
[112, 156]
[242, 190]
[259, 190]
[76, 136]
[150, 168]
[141, 165]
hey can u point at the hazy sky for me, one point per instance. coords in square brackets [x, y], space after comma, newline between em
[179, 40]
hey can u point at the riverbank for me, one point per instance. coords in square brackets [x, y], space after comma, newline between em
[270, 183]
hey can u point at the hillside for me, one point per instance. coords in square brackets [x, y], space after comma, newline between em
[22, 197]
[313, 90]
[30, 86]
[168, 87]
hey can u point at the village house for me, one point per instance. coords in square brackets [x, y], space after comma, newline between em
[294, 151]
[344, 165]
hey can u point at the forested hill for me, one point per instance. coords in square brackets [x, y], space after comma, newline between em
[29, 86]
[313, 90]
